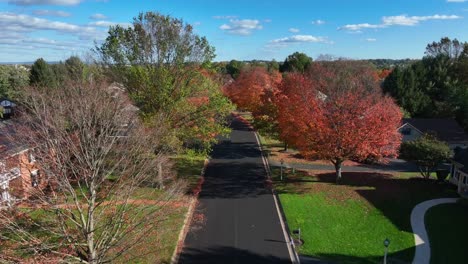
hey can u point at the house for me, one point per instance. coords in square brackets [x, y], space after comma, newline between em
[20, 176]
[7, 108]
[446, 130]
[459, 170]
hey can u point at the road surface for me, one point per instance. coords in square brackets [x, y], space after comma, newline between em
[241, 222]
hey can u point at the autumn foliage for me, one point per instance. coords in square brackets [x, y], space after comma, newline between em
[333, 111]
[254, 89]
[336, 112]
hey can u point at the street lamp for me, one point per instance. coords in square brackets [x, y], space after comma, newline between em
[386, 244]
[281, 173]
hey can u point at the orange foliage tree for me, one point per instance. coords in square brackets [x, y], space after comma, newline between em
[254, 90]
[337, 112]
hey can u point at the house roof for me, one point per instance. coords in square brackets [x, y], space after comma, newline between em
[444, 129]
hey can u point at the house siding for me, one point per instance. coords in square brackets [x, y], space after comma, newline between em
[21, 187]
[413, 133]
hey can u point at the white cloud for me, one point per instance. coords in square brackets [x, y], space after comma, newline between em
[11, 22]
[457, 1]
[225, 17]
[318, 22]
[44, 2]
[242, 27]
[293, 30]
[56, 13]
[98, 16]
[267, 20]
[371, 39]
[404, 20]
[401, 20]
[301, 39]
[358, 27]
[196, 23]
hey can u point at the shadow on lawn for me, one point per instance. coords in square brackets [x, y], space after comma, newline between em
[394, 197]
[392, 258]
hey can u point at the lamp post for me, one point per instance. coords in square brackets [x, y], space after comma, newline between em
[386, 244]
[281, 173]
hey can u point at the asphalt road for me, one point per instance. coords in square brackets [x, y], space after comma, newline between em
[237, 218]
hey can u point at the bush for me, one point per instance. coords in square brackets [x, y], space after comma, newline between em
[427, 152]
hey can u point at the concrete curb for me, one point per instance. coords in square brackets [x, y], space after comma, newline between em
[188, 217]
[421, 239]
[290, 244]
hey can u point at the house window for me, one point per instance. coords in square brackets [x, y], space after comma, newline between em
[35, 178]
[406, 131]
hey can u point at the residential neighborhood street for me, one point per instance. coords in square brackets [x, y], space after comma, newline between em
[240, 222]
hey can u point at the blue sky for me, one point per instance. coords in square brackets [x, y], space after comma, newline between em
[242, 29]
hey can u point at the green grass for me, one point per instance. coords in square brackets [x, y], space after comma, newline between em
[188, 168]
[447, 229]
[348, 223]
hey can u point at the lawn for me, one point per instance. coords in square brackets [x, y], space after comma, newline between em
[348, 223]
[447, 229]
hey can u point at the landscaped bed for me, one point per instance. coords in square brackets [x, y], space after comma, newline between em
[348, 223]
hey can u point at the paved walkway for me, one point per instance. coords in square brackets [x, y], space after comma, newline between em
[241, 224]
[421, 240]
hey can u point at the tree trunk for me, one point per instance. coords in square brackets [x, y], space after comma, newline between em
[338, 170]
[92, 258]
[160, 176]
[285, 146]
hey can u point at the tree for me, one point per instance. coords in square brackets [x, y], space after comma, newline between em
[452, 49]
[337, 112]
[407, 86]
[95, 156]
[41, 74]
[12, 78]
[75, 68]
[427, 152]
[234, 68]
[254, 90]
[296, 62]
[248, 89]
[161, 62]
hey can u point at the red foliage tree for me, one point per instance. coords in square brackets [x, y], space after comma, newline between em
[337, 112]
[254, 89]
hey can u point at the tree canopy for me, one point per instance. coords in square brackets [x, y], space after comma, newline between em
[427, 152]
[336, 112]
[434, 87]
[161, 62]
[296, 62]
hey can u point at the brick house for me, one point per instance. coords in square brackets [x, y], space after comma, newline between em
[20, 176]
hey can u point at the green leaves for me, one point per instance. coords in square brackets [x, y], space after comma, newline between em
[161, 63]
[427, 152]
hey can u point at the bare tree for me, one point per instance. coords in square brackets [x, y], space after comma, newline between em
[97, 158]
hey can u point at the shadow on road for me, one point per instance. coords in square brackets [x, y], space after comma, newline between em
[214, 255]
